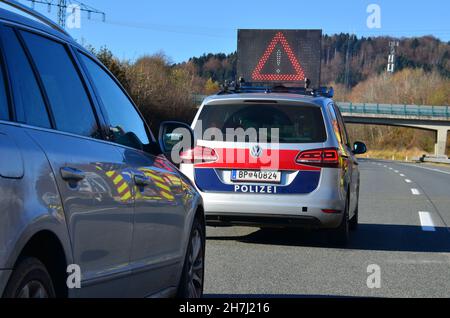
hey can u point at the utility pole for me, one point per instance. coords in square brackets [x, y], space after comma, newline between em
[392, 54]
[62, 6]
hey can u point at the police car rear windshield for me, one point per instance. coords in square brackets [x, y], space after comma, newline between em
[272, 123]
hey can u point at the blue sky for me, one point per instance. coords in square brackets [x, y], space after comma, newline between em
[182, 28]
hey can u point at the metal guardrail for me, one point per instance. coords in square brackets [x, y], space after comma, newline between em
[398, 110]
[433, 160]
[381, 109]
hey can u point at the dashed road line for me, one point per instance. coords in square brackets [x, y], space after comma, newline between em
[408, 181]
[431, 169]
[415, 191]
[426, 222]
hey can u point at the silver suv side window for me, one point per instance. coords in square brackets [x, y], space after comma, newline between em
[126, 125]
[69, 102]
[4, 112]
[29, 103]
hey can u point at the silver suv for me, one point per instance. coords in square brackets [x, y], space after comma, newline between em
[84, 187]
[276, 157]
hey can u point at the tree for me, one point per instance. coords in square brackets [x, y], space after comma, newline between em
[211, 87]
[118, 68]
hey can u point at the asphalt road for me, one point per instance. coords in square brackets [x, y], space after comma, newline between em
[404, 229]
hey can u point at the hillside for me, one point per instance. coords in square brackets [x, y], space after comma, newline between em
[366, 57]
[422, 77]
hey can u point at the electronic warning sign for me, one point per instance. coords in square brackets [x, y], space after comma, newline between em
[280, 56]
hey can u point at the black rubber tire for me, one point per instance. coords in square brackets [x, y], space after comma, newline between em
[183, 288]
[354, 220]
[28, 270]
[341, 235]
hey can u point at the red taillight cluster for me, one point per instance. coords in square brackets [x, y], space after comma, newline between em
[327, 158]
[331, 211]
[199, 155]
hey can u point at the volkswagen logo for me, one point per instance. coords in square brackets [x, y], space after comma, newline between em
[256, 151]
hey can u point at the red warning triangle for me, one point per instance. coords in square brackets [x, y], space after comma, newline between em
[299, 74]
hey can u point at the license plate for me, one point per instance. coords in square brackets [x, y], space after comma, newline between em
[256, 176]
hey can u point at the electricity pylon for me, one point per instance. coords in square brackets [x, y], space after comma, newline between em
[62, 6]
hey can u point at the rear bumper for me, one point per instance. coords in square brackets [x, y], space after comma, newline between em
[298, 210]
[4, 278]
[302, 210]
[270, 221]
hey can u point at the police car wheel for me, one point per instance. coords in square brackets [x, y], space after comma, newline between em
[30, 280]
[341, 235]
[354, 221]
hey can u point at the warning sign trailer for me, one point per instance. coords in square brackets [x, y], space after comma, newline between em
[284, 57]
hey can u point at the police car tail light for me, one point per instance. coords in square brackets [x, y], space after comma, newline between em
[328, 158]
[331, 211]
[199, 155]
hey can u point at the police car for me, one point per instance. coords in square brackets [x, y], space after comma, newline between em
[275, 158]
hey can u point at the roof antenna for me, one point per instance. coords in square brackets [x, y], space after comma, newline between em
[331, 92]
[307, 83]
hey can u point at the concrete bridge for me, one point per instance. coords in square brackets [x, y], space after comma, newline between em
[435, 118]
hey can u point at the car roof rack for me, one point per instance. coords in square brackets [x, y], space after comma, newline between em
[35, 14]
[242, 87]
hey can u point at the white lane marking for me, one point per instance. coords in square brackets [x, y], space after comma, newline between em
[431, 169]
[396, 171]
[391, 168]
[402, 175]
[415, 191]
[385, 166]
[427, 222]
[408, 181]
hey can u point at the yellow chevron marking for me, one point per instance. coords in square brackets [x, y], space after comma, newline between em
[110, 173]
[167, 196]
[174, 180]
[153, 176]
[123, 188]
[118, 179]
[162, 186]
[151, 198]
[126, 196]
[138, 194]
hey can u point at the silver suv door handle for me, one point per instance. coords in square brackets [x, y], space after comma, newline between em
[72, 174]
[142, 181]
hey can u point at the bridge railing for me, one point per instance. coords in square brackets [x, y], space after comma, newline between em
[381, 109]
[399, 110]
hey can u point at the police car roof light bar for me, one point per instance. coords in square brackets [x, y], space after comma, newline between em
[245, 87]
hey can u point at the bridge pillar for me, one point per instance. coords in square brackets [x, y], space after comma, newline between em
[441, 144]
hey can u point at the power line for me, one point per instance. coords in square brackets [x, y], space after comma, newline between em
[63, 5]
